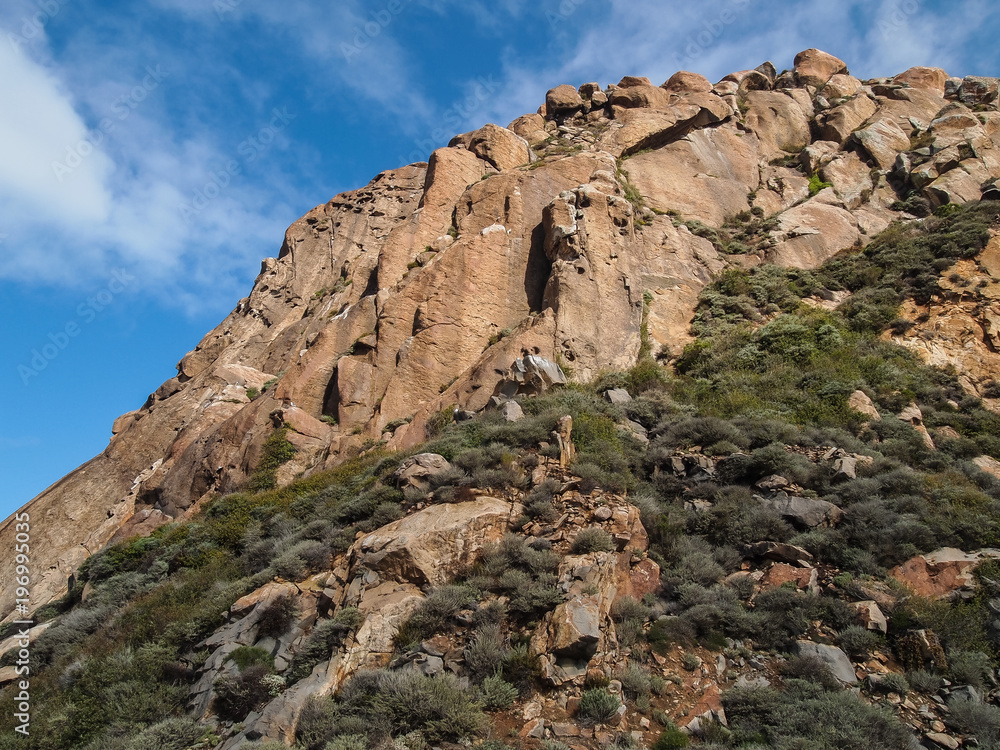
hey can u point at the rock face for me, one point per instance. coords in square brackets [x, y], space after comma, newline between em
[516, 251]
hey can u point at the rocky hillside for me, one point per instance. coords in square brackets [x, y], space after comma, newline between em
[708, 375]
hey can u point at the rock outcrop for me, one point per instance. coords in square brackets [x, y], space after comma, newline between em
[560, 238]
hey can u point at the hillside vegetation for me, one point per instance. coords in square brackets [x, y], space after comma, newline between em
[763, 391]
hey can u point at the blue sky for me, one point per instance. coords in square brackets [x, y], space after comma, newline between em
[153, 152]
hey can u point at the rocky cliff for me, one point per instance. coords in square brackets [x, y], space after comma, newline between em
[579, 236]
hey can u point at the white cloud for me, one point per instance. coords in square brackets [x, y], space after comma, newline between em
[39, 129]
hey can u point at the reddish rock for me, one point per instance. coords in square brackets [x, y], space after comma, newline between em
[684, 82]
[814, 67]
[942, 572]
[924, 78]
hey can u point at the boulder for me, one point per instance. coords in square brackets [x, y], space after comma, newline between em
[871, 616]
[803, 511]
[511, 411]
[781, 552]
[883, 141]
[432, 545]
[563, 100]
[841, 86]
[932, 79]
[530, 127]
[641, 95]
[814, 67]
[988, 464]
[417, 471]
[617, 396]
[832, 656]
[838, 124]
[685, 82]
[575, 628]
[979, 90]
[530, 375]
[941, 573]
[860, 402]
[500, 147]
[143, 523]
[813, 233]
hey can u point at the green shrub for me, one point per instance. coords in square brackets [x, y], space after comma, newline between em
[635, 681]
[592, 539]
[277, 451]
[435, 613]
[236, 696]
[671, 738]
[484, 655]
[250, 656]
[923, 681]
[598, 705]
[858, 642]
[979, 719]
[277, 617]
[496, 694]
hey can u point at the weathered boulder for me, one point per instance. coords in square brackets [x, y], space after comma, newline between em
[803, 511]
[430, 546]
[838, 124]
[531, 375]
[841, 86]
[979, 90]
[617, 396]
[835, 659]
[814, 67]
[562, 100]
[860, 402]
[500, 147]
[575, 628]
[418, 471]
[883, 141]
[531, 127]
[943, 572]
[923, 78]
[813, 232]
[511, 411]
[640, 95]
[685, 82]
[871, 616]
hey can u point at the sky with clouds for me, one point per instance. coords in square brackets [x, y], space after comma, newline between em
[153, 152]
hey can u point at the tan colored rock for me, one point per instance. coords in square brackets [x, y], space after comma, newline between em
[500, 147]
[685, 82]
[814, 67]
[850, 177]
[531, 127]
[642, 95]
[957, 186]
[860, 402]
[778, 122]
[883, 140]
[871, 616]
[940, 573]
[562, 100]
[813, 233]
[839, 123]
[429, 547]
[988, 464]
[841, 86]
[704, 176]
[923, 78]
[418, 471]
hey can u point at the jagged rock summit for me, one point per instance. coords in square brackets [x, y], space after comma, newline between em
[560, 237]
